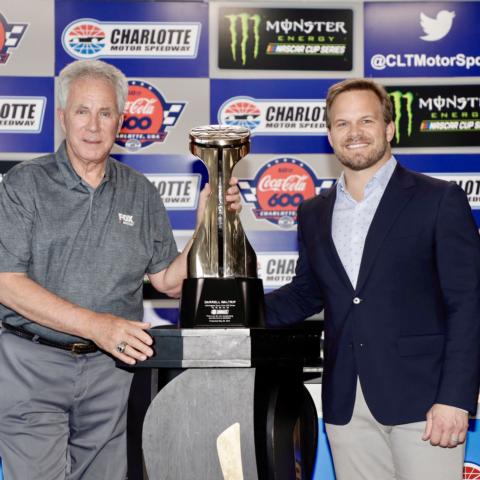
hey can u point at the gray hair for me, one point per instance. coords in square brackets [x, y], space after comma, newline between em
[92, 69]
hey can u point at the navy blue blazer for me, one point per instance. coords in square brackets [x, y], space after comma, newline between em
[410, 329]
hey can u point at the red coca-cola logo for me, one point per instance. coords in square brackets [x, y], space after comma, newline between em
[292, 183]
[281, 186]
[471, 471]
[10, 37]
[146, 116]
[143, 112]
[140, 106]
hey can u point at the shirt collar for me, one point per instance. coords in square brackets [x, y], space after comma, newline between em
[381, 177]
[72, 179]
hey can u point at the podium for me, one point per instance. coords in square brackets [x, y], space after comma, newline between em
[234, 407]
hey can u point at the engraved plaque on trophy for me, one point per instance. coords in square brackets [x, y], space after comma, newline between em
[222, 288]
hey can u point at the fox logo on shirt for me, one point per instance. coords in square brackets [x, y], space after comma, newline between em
[126, 219]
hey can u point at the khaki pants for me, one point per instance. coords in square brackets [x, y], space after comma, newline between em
[367, 450]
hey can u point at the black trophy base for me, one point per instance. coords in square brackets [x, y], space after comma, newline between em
[222, 303]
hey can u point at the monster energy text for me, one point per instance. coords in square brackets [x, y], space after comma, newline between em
[455, 115]
[441, 103]
[306, 27]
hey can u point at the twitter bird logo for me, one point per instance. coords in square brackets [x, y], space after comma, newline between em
[436, 28]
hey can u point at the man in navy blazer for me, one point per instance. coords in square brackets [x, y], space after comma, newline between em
[393, 259]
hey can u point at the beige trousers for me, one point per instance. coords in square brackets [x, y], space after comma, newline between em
[367, 450]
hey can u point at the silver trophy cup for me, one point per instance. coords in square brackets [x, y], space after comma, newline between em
[222, 288]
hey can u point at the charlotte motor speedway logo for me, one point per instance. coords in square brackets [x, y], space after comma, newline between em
[178, 191]
[278, 189]
[90, 38]
[147, 115]
[10, 36]
[469, 182]
[22, 114]
[275, 117]
[276, 268]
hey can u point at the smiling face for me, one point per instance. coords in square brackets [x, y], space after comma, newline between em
[90, 120]
[358, 133]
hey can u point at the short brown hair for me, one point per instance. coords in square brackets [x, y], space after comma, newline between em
[360, 84]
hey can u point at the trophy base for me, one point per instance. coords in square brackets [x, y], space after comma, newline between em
[222, 303]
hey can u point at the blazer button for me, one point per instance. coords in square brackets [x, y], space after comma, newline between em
[357, 300]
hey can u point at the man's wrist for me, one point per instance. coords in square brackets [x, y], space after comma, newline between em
[453, 406]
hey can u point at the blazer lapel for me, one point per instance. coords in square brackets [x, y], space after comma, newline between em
[397, 194]
[325, 221]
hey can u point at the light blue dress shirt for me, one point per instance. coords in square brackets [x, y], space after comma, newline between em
[351, 219]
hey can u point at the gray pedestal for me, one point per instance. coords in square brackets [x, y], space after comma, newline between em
[235, 409]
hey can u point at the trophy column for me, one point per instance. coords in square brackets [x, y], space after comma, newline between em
[222, 288]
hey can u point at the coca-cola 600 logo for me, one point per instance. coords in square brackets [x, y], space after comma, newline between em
[147, 115]
[278, 189]
[471, 471]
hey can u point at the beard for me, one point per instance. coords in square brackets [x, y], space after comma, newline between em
[361, 160]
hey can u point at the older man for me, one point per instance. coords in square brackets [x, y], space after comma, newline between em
[78, 232]
[394, 259]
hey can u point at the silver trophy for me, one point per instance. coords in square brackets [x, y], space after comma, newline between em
[222, 288]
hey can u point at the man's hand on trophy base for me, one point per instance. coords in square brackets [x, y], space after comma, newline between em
[125, 339]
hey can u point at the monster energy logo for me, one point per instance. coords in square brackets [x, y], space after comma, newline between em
[397, 98]
[246, 21]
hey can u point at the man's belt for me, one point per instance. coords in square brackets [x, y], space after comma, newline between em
[71, 347]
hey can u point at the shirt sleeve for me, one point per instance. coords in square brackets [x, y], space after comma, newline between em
[164, 245]
[17, 215]
[301, 298]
